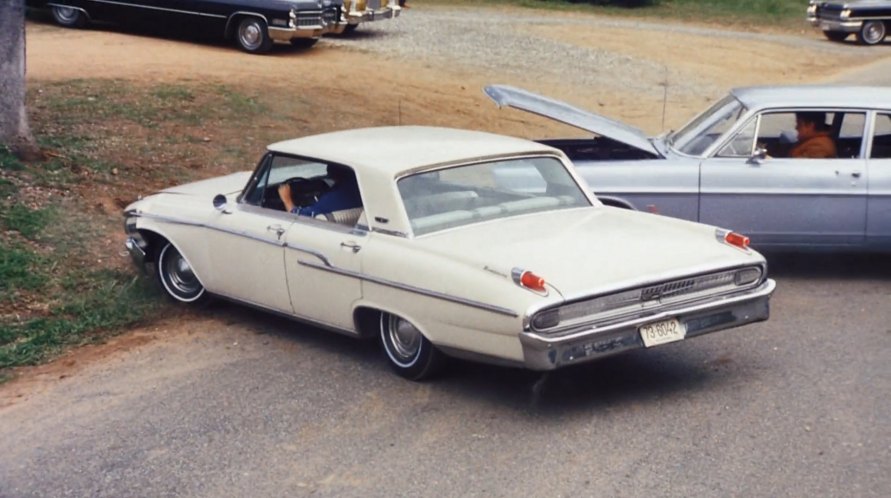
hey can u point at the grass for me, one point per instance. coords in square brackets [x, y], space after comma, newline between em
[63, 281]
[743, 13]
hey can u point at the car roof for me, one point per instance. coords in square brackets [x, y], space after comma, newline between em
[395, 149]
[860, 97]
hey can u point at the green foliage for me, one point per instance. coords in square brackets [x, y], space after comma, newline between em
[31, 223]
[8, 161]
[19, 270]
[103, 300]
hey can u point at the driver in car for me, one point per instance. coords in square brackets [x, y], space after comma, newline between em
[813, 136]
[344, 194]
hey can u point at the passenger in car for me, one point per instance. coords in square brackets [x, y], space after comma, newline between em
[813, 136]
[344, 194]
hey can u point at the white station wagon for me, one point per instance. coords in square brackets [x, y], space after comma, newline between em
[440, 260]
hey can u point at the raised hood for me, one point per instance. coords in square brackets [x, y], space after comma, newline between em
[588, 250]
[226, 185]
[523, 100]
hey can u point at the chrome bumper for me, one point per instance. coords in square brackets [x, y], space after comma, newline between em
[356, 17]
[841, 26]
[548, 353]
[288, 34]
[137, 253]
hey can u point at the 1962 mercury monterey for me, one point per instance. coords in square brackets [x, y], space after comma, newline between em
[439, 260]
[870, 20]
[254, 24]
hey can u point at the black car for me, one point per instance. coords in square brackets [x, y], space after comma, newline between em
[254, 24]
[868, 19]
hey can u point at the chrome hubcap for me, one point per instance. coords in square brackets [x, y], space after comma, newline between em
[874, 32]
[404, 337]
[180, 274]
[66, 13]
[250, 34]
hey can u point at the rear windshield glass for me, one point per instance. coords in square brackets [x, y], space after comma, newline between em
[448, 198]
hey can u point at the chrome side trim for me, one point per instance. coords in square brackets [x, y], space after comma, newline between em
[327, 266]
[411, 288]
[311, 252]
[190, 12]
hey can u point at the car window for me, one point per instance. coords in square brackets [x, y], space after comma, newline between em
[881, 139]
[743, 143]
[700, 133]
[777, 133]
[447, 198]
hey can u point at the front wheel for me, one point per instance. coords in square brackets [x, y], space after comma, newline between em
[69, 17]
[252, 35]
[410, 354]
[177, 276]
[835, 36]
[872, 32]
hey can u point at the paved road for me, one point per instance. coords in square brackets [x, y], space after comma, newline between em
[257, 406]
[241, 404]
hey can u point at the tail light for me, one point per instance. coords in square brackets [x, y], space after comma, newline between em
[529, 280]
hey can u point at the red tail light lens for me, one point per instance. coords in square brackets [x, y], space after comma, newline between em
[737, 239]
[532, 281]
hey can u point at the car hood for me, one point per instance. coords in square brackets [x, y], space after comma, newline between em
[523, 100]
[226, 185]
[591, 250]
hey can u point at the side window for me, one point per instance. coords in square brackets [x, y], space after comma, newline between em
[850, 134]
[777, 133]
[881, 138]
[743, 143]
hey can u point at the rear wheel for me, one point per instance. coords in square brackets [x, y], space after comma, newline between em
[69, 16]
[836, 36]
[177, 277]
[252, 35]
[410, 354]
[872, 32]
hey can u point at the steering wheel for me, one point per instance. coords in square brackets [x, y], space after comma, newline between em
[305, 191]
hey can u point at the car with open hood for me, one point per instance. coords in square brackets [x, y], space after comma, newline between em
[436, 259]
[734, 164]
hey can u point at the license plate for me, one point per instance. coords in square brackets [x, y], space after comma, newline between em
[656, 333]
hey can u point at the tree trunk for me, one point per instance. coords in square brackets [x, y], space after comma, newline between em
[14, 130]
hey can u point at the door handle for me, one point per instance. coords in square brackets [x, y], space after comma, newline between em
[279, 231]
[855, 174]
[351, 245]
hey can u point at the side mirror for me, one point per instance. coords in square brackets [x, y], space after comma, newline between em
[221, 204]
[758, 156]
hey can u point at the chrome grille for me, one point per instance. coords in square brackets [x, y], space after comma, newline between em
[309, 19]
[329, 15]
[622, 304]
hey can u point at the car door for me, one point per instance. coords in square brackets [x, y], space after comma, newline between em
[246, 243]
[878, 216]
[779, 200]
[323, 261]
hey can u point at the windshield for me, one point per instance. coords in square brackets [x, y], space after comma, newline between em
[448, 198]
[694, 138]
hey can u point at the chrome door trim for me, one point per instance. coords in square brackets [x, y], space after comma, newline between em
[411, 288]
[137, 6]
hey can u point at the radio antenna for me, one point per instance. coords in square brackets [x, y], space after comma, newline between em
[664, 95]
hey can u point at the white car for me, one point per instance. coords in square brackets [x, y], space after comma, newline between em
[440, 260]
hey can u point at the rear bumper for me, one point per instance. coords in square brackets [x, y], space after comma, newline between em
[548, 353]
